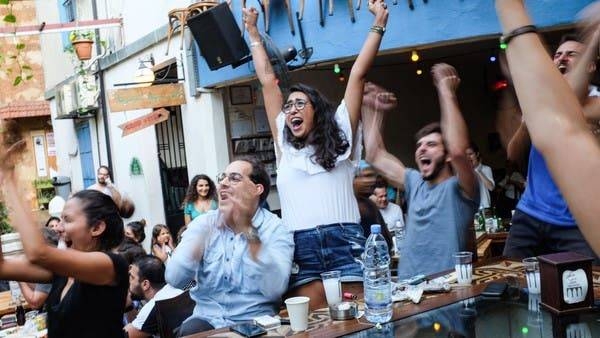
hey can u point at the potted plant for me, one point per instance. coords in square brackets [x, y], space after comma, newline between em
[82, 42]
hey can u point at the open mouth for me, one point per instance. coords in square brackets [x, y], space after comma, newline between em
[223, 195]
[425, 161]
[296, 122]
[562, 68]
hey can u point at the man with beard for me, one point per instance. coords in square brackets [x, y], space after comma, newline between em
[542, 222]
[240, 254]
[147, 282]
[104, 184]
[443, 195]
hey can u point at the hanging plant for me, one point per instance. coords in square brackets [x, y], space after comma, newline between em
[82, 42]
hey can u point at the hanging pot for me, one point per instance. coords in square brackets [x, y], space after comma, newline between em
[83, 48]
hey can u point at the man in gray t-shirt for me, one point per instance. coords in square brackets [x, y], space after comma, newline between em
[443, 195]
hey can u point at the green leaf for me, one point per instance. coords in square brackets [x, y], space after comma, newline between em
[12, 56]
[18, 80]
[29, 77]
[26, 67]
[11, 18]
[4, 2]
[20, 46]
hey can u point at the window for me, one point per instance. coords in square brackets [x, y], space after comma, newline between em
[67, 13]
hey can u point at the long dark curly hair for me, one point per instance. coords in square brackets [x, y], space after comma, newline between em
[192, 193]
[326, 136]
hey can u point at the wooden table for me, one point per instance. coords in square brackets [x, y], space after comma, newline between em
[320, 325]
[490, 245]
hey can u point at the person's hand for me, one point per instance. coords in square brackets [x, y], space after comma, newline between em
[250, 17]
[239, 207]
[379, 9]
[377, 97]
[445, 77]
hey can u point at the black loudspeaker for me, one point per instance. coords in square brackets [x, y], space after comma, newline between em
[219, 37]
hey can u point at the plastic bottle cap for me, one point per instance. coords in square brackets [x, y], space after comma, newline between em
[375, 228]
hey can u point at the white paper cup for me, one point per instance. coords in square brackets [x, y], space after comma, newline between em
[297, 308]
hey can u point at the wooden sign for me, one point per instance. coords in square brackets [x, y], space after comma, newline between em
[142, 122]
[164, 95]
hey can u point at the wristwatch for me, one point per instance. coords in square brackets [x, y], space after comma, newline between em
[252, 235]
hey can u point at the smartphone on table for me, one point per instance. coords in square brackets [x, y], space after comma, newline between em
[248, 330]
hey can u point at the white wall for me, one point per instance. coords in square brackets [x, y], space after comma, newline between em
[56, 63]
[140, 17]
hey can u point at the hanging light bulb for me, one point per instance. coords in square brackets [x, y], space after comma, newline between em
[336, 68]
[414, 56]
[144, 75]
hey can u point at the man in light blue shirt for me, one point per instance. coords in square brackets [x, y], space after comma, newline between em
[240, 255]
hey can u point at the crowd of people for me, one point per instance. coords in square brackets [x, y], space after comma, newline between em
[236, 260]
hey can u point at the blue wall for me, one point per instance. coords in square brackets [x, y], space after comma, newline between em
[434, 22]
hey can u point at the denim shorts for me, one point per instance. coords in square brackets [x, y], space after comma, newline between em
[326, 248]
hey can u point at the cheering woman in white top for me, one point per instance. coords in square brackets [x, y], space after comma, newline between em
[315, 143]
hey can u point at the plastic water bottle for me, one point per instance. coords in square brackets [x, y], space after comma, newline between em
[399, 237]
[377, 279]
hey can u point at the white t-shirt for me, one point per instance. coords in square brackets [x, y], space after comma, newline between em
[391, 214]
[484, 193]
[101, 188]
[142, 321]
[309, 194]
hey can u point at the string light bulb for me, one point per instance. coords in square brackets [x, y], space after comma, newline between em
[419, 71]
[341, 77]
[336, 68]
[493, 58]
[414, 56]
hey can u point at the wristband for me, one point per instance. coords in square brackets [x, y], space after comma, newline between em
[255, 44]
[505, 39]
[377, 29]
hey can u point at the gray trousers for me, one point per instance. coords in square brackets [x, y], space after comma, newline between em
[529, 237]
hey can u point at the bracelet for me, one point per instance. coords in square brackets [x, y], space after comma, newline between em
[377, 29]
[255, 44]
[505, 39]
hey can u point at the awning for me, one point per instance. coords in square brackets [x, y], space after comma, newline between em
[22, 109]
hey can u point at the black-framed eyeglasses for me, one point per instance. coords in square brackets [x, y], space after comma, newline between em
[232, 177]
[299, 104]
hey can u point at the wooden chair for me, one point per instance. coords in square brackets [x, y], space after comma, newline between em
[170, 313]
[178, 18]
[266, 8]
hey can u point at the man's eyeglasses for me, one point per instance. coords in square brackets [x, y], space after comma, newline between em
[299, 104]
[232, 177]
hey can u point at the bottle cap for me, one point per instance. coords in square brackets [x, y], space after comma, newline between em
[375, 228]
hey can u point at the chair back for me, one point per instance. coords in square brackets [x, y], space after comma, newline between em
[170, 313]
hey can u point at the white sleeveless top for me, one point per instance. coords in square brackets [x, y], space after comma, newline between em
[309, 194]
